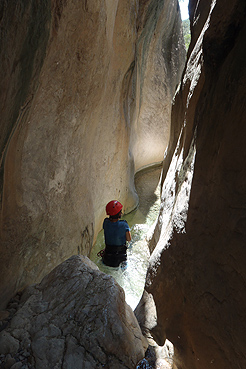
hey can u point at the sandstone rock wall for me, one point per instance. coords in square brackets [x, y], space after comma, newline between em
[197, 270]
[71, 77]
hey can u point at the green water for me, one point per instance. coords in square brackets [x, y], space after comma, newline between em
[141, 220]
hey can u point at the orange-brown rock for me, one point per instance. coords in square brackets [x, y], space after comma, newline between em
[197, 270]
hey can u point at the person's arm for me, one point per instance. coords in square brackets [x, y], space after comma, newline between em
[128, 236]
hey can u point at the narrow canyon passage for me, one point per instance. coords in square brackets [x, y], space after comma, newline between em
[141, 221]
[92, 91]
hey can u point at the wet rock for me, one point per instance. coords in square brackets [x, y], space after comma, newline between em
[158, 357]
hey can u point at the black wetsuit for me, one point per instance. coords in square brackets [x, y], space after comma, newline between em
[115, 240]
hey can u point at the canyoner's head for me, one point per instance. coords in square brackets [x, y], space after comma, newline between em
[114, 209]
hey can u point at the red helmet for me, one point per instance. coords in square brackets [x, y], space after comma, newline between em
[113, 207]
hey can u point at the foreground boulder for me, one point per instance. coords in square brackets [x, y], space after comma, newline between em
[75, 318]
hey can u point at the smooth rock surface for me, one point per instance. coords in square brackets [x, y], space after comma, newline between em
[75, 318]
[85, 97]
[197, 270]
[160, 58]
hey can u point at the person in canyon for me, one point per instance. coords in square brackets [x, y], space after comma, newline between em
[116, 233]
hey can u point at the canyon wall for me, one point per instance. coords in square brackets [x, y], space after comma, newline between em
[197, 269]
[159, 63]
[76, 77]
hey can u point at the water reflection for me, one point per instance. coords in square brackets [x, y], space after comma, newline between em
[131, 277]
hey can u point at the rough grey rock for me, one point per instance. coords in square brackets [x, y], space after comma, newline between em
[17, 366]
[8, 344]
[76, 318]
[9, 361]
[4, 315]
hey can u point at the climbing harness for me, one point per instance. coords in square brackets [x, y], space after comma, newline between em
[101, 253]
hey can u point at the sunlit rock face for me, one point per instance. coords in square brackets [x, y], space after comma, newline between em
[197, 270]
[159, 64]
[74, 81]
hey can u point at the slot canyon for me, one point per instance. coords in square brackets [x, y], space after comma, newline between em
[91, 93]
